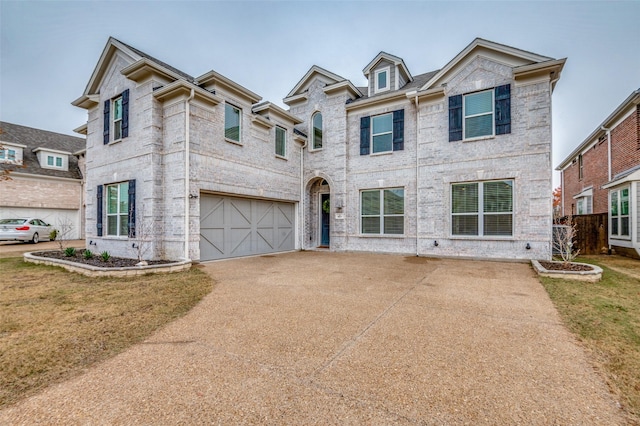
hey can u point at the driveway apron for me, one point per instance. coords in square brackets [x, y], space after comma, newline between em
[344, 338]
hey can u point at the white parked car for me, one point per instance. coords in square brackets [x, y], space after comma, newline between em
[29, 229]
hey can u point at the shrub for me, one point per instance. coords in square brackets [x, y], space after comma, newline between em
[53, 235]
[70, 251]
[105, 256]
[87, 254]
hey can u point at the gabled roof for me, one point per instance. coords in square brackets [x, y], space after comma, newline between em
[510, 55]
[215, 79]
[42, 139]
[632, 101]
[327, 76]
[139, 59]
[391, 58]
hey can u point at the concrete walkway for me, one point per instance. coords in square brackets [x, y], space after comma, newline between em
[325, 338]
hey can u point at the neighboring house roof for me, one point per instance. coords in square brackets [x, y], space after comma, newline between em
[35, 139]
[632, 101]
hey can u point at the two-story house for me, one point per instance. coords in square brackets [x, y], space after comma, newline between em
[452, 162]
[601, 175]
[43, 177]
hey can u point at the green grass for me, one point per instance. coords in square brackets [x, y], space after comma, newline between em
[606, 318]
[54, 323]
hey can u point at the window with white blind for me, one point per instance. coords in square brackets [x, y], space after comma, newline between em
[382, 211]
[482, 208]
[619, 213]
[478, 114]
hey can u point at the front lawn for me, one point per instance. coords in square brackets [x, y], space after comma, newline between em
[606, 318]
[54, 324]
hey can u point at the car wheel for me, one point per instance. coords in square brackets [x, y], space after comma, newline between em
[35, 238]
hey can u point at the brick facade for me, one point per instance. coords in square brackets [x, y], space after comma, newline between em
[161, 105]
[625, 155]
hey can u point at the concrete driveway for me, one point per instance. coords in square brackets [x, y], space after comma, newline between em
[326, 338]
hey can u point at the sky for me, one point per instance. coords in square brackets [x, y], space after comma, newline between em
[49, 49]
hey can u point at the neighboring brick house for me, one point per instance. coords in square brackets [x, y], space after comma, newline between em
[45, 180]
[453, 162]
[601, 175]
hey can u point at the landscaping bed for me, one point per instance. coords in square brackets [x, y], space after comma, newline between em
[96, 260]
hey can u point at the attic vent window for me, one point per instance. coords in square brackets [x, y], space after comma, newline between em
[381, 77]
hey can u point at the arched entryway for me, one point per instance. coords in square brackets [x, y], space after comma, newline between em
[318, 215]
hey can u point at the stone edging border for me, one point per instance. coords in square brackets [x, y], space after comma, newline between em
[96, 271]
[591, 276]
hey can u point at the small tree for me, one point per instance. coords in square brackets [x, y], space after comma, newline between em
[63, 232]
[563, 236]
[141, 232]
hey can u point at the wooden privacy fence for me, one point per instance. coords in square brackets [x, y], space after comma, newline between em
[592, 232]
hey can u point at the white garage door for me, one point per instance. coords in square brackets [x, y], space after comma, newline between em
[233, 227]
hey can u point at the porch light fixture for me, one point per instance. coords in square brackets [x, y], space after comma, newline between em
[435, 243]
[528, 247]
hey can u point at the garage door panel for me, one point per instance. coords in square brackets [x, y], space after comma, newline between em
[232, 227]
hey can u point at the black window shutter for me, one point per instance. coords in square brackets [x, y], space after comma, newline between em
[99, 212]
[107, 123]
[132, 208]
[503, 109]
[125, 113]
[398, 130]
[364, 135]
[455, 118]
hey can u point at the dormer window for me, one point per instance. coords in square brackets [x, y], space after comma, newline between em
[54, 161]
[382, 80]
[11, 152]
[8, 155]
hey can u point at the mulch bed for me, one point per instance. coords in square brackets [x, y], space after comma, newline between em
[560, 266]
[96, 260]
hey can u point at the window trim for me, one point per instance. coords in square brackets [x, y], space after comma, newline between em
[492, 113]
[284, 142]
[54, 161]
[313, 133]
[118, 214]
[480, 211]
[382, 214]
[6, 156]
[116, 123]
[239, 112]
[620, 216]
[373, 151]
[376, 87]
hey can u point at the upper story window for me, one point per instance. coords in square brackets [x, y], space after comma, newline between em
[580, 167]
[382, 133]
[232, 123]
[54, 161]
[482, 208]
[116, 118]
[281, 142]
[316, 132]
[382, 211]
[619, 213]
[480, 114]
[381, 83]
[585, 205]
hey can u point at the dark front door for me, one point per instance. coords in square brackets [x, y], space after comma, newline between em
[325, 209]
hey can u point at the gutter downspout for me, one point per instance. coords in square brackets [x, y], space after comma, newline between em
[608, 150]
[302, 195]
[417, 174]
[186, 173]
[608, 130]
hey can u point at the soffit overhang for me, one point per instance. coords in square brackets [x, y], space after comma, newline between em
[268, 110]
[145, 69]
[181, 89]
[213, 81]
